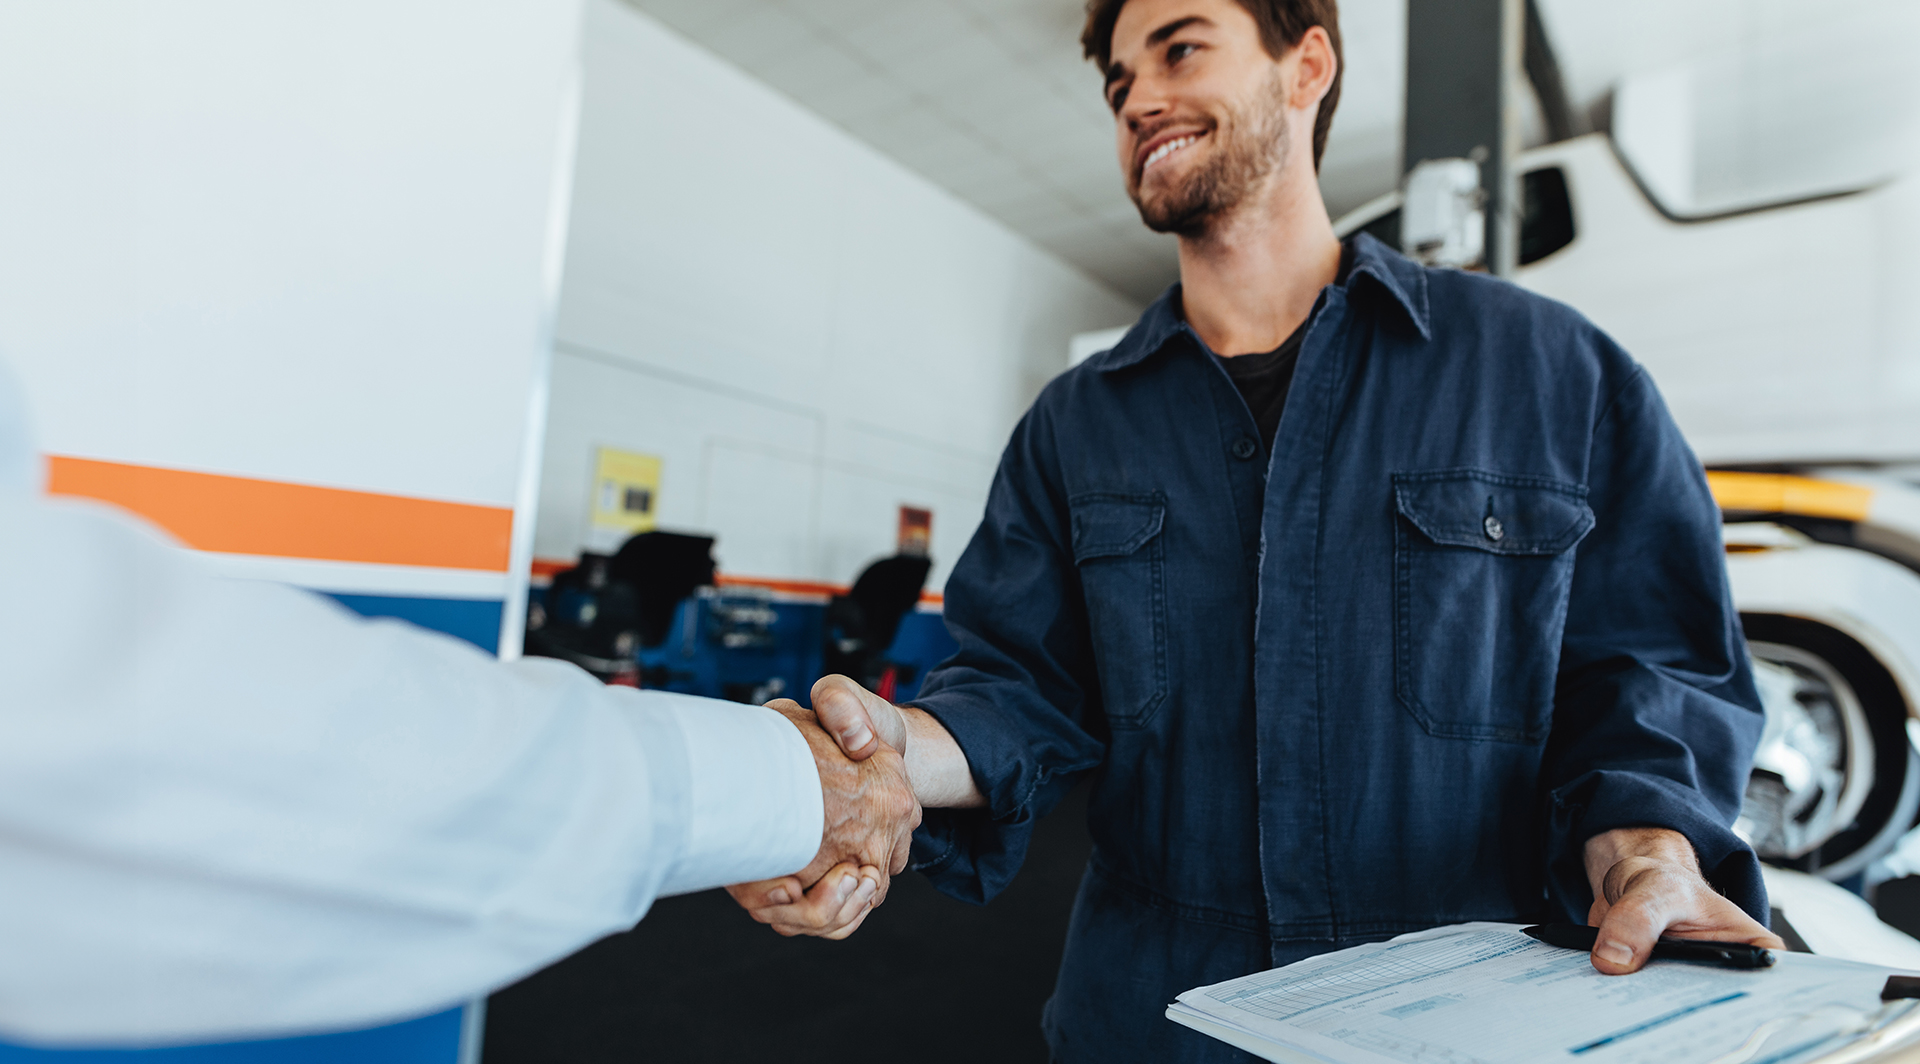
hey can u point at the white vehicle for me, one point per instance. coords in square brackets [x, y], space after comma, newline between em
[1779, 337]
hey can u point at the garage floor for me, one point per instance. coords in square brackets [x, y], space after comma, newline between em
[933, 979]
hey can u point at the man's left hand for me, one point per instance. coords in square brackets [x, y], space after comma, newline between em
[1647, 883]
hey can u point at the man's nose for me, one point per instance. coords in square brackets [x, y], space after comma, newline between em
[1145, 102]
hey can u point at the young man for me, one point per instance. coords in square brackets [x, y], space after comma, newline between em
[1374, 597]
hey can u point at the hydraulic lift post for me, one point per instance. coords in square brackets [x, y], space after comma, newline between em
[1464, 76]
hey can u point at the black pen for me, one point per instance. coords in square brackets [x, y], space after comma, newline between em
[1724, 954]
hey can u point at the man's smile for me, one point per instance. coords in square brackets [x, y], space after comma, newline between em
[1158, 149]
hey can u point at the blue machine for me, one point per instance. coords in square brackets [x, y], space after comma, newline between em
[744, 645]
[651, 616]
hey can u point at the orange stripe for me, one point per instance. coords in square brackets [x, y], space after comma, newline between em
[1781, 493]
[805, 587]
[237, 515]
[791, 587]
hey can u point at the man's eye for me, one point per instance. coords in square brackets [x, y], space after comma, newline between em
[1118, 99]
[1177, 52]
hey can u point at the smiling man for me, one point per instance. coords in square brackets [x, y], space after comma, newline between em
[1372, 597]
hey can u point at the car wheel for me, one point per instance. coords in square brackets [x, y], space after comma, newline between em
[1835, 781]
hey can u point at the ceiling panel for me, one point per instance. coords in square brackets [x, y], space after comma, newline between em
[986, 98]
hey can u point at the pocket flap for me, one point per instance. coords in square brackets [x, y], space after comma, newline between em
[1111, 525]
[1497, 512]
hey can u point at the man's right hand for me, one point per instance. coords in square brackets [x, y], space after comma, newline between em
[858, 719]
[871, 812]
[863, 722]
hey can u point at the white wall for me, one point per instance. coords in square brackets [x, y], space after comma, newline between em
[304, 243]
[297, 243]
[808, 334]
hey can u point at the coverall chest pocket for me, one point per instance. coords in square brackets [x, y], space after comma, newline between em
[1484, 565]
[1121, 555]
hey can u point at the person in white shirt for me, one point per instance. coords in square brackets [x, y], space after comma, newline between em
[231, 809]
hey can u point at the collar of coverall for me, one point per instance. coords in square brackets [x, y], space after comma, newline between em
[1403, 281]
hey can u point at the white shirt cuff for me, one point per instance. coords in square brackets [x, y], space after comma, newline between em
[754, 808]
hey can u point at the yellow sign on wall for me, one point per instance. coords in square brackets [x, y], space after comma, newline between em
[626, 494]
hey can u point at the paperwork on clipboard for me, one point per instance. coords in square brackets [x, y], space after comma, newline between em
[1486, 994]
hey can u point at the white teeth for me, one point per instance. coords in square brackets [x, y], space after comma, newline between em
[1167, 149]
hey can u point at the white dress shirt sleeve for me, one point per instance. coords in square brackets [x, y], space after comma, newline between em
[734, 833]
[233, 809]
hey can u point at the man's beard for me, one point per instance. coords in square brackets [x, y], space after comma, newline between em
[1259, 145]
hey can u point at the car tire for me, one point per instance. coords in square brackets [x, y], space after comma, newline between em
[1893, 797]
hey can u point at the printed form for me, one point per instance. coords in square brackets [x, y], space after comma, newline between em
[1487, 994]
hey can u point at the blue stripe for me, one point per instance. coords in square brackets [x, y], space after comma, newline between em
[428, 1040]
[1657, 1021]
[475, 620]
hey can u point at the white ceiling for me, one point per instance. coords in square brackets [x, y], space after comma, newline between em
[991, 100]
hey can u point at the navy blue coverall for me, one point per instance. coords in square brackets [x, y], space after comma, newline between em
[1471, 612]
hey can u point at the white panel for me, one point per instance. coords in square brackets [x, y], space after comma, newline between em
[351, 578]
[1897, 278]
[298, 242]
[1653, 127]
[1767, 333]
[762, 500]
[1793, 110]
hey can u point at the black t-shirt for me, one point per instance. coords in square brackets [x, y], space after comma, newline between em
[1264, 379]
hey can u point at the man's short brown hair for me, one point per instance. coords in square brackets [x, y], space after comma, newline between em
[1282, 23]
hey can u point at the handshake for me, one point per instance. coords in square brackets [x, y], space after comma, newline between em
[871, 813]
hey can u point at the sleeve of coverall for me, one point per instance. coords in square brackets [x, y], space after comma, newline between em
[1655, 717]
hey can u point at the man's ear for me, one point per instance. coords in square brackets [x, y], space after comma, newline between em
[1315, 66]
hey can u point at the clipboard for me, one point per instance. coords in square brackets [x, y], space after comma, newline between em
[1486, 992]
[1898, 1043]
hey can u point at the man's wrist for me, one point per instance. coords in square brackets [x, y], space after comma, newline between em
[915, 724]
[1609, 848]
[936, 766]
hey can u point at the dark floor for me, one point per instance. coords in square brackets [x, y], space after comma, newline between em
[930, 978]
